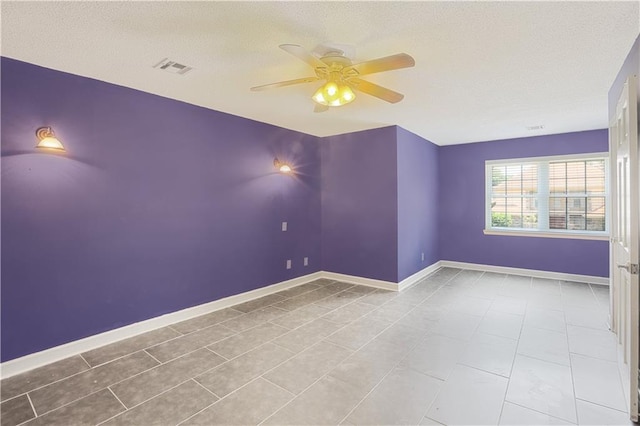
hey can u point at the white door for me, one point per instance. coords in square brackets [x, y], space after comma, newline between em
[625, 197]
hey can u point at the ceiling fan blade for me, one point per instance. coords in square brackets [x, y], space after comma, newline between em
[388, 63]
[375, 90]
[284, 83]
[301, 53]
[320, 108]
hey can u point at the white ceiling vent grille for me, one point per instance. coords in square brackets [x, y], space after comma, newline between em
[534, 128]
[172, 67]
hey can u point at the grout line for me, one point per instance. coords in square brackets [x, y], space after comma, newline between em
[66, 377]
[160, 365]
[236, 390]
[74, 401]
[541, 412]
[216, 353]
[600, 405]
[85, 361]
[147, 352]
[35, 413]
[134, 406]
[277, 385]
[119, 400]
[138, 350]
[206, 388]
[179, 332]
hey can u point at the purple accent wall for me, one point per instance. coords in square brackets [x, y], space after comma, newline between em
[417, 203]
[359, 199]
[462, 189]
[157, 206]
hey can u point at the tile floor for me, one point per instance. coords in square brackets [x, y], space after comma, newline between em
[460, 347]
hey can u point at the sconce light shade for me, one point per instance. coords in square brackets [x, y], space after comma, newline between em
[47, 139]
[282, 167]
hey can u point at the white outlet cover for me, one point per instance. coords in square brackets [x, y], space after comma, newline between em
[284, 226]
[288, 263]
[306, 261]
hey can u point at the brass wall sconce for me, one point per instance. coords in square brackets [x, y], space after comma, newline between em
[281, 166]
[48, 140]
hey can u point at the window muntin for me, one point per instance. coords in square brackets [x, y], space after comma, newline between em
[566, 194]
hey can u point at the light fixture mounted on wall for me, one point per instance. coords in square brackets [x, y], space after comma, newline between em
[281, 166]
[47, 139]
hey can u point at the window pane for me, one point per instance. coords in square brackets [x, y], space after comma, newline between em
[530, 179]
[576, 194]
[596, 214]
[595, 223]
[530, 220]
[576, 177]
[577, 222]
[514, 186]
[558, 178]
[577, 205]
[576, 185]
[499, 217]
[498, 177]
[595, 185]
[595, 171]
[557, 213]
[514, 171]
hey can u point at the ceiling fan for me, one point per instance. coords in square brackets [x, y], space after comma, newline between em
[343, 77]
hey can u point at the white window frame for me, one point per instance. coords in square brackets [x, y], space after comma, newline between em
[547, 233]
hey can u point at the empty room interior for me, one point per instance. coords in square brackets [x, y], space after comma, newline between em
[320, 213]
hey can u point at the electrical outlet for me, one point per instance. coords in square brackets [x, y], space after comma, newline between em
[306, 261]
[423, 257]
[284, 226]
[288, 263]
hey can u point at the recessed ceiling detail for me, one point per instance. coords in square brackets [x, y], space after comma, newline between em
[485, 70]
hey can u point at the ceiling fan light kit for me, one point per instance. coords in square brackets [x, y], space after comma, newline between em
[334, 93]
[342, 77]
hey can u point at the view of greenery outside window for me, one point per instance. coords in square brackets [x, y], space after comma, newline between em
[557, 194]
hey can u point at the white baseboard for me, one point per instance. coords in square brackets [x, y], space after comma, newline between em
[415, 278]
[57, 353]
[353, 279]
[529, 272]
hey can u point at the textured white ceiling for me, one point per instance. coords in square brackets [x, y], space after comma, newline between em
[484, 70]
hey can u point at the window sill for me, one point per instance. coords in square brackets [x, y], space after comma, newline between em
[543, 234]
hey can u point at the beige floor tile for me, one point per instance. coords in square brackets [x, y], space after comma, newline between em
[542, 386]
[598, 381]
[298, 373]
[516, 415]
[469, 396]
[249, 405]
[400, 399]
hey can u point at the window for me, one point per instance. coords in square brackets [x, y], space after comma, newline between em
[556, 196]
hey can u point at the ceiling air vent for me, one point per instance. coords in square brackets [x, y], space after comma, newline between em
[172, 67]
[534, 128]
